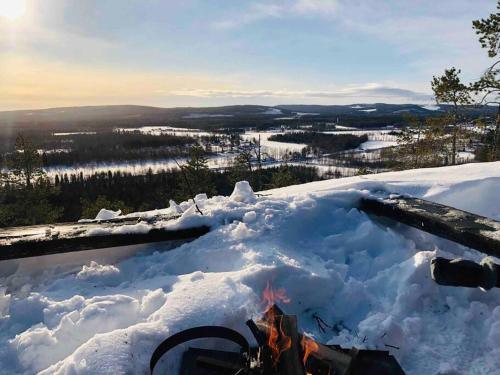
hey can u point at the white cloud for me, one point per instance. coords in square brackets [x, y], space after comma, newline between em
[372, 92]
[317, 7]
[256, 12]
[277, 9]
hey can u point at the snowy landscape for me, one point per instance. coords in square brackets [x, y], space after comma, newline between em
[281, 187]
[369, 281]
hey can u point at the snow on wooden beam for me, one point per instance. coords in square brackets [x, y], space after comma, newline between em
[23, 242]
[465, 228]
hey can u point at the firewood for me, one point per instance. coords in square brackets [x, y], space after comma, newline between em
[290, 361]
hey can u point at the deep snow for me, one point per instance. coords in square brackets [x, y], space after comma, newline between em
[371, 283]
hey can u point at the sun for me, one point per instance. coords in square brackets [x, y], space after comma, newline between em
[12, 9]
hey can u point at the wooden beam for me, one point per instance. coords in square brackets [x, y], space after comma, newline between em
[468, 229]
[22, 242]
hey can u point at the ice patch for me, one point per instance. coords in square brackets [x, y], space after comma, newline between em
[107, 214]
[174, 207]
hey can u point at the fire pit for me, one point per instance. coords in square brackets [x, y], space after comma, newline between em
[281, 350]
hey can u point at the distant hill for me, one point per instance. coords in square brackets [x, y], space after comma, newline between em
[379, 109]
[107, 117]
[103, 117]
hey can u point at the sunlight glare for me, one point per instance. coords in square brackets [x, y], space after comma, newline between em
[12, 9]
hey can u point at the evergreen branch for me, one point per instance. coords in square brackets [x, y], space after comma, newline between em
[188, 186]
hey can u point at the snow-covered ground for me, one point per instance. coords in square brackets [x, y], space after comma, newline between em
[272, 147]
[369, 281]
[376, 145]
[169, 130]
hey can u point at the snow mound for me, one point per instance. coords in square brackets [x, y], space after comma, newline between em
[107, 214]
[369, 282]
[243, 193]
[101, 274]
[175, 207]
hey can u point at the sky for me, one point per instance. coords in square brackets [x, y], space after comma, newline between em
[170, 53]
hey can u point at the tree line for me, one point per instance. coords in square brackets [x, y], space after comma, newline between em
[28, 197]
[326, 143]
[103, 147]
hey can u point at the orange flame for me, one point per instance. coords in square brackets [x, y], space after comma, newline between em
[271, 296]
[308, 346]
[277, 340]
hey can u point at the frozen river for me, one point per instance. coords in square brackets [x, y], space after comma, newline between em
[376, 139]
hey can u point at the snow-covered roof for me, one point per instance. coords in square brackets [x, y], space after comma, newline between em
[371, 283]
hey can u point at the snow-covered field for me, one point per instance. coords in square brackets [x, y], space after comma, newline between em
[135, 167]
[376, 145]
[370, 282]
[272, 147]
[169, 130]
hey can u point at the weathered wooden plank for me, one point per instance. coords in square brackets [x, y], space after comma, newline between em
[468, 229]
[22, 242]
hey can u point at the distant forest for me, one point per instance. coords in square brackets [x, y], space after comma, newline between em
[112, 146]
[72, 197]
[103, 147]
[328, 143]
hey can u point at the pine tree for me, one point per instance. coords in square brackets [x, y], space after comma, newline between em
[196, 175]
[449, 89]
[489, 84]
[283, 177]
[242, 168]
[26, 163]
[26, 195]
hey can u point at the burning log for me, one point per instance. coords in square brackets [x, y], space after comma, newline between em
[281, 352]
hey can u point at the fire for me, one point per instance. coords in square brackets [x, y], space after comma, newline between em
[308, 346]
[277, 339]
[271, 296]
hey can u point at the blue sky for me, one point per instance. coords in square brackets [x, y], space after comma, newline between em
[218, 52]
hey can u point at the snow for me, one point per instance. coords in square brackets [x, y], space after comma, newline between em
[368, 110]
[243, 193]
[431, 107]
[272, 111]
[170, 130]
[105, 214]
[369, 281]
[341, 127]
[376, 145]
[134, 167]
[73, 133]
[302, 114]
[272, 147]
[206, 115]
[97, 273]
